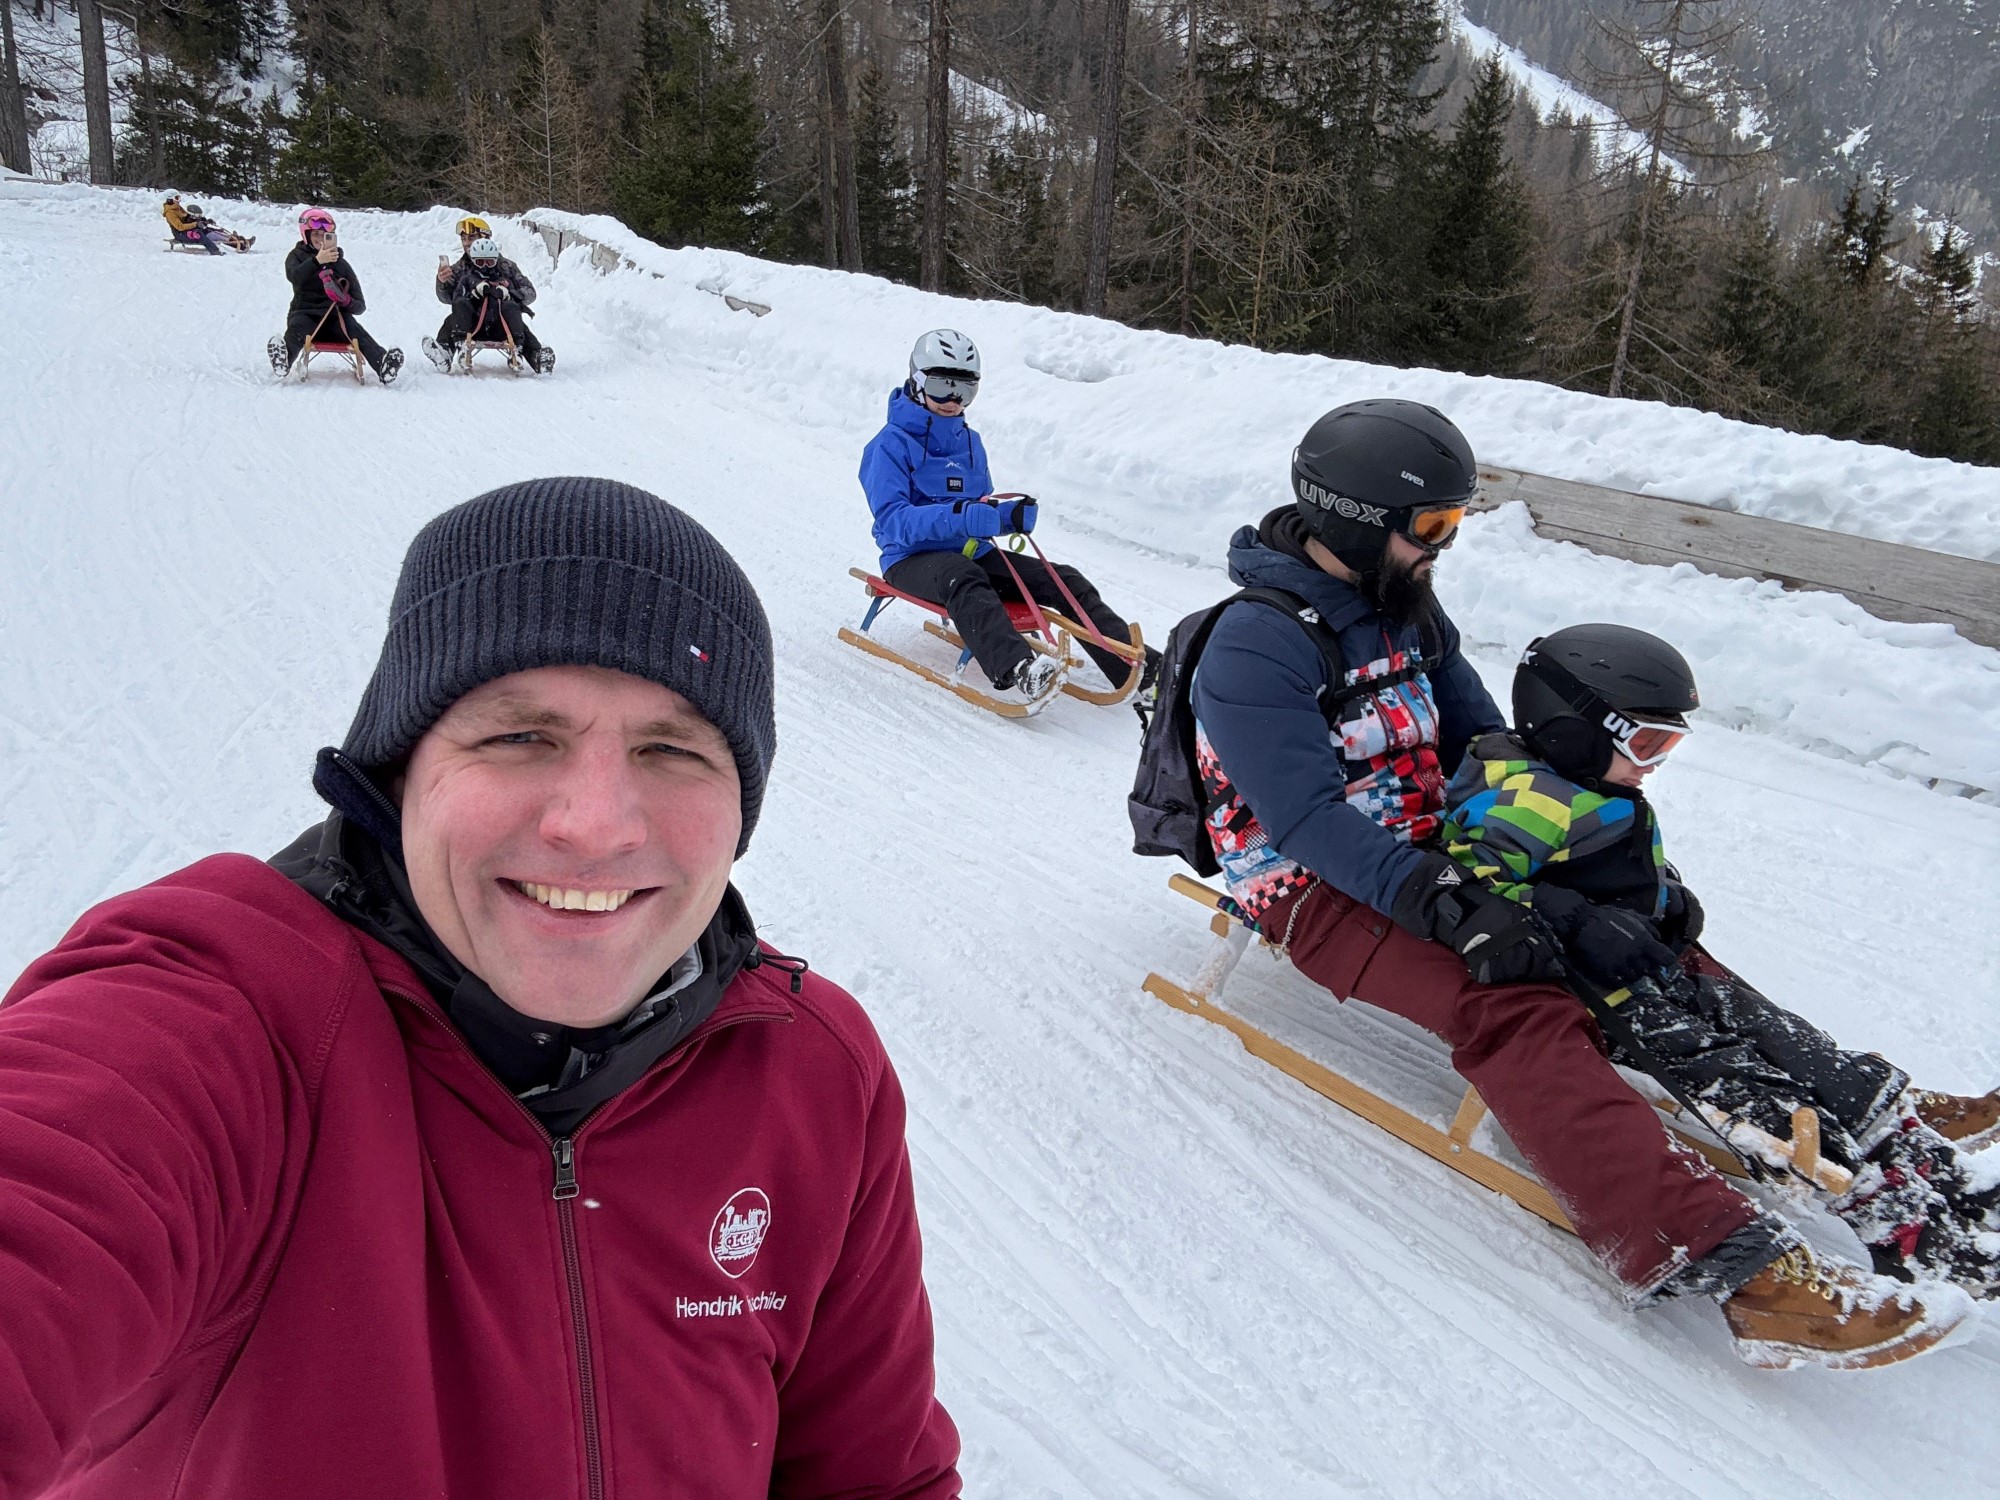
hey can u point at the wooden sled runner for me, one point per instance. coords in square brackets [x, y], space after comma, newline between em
[1058, 643]
[1452, 1144]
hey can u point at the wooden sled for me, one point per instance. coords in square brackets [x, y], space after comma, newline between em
[175, 242]
[346, 350]
[881, 595]
[1452, 1144]
[461, 360]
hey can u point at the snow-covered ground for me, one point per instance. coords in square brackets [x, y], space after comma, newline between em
[1159, 1268]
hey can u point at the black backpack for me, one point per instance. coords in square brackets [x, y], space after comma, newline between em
[1169, 805]
[1168, 802]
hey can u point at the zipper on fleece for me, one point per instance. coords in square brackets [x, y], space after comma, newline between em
[564, 1150]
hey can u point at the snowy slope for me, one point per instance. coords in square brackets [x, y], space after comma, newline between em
[1159, 1269]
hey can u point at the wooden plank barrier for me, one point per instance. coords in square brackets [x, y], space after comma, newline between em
[1891, 582]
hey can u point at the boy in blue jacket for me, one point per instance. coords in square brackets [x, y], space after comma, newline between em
[1553, 817]
[926, 479]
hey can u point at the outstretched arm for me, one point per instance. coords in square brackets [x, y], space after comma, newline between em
[142, 1139]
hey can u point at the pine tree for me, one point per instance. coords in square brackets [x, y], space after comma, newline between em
[1480, 317]
[556, 143]
[884, 194]
[687, 173]
[1947, 283]
[334, 156]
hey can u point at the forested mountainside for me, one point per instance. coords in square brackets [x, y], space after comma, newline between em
[1907, 86]
[1359, 178]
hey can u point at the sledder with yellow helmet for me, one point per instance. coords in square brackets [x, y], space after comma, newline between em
[489, 296]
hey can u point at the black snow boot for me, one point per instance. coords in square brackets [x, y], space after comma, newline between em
[280, 361]
[1919, 1211]
[392, 366]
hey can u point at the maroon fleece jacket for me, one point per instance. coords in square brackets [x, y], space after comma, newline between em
[268, 1228]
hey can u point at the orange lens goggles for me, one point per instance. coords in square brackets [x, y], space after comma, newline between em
[1436, 527]
[1647, 744]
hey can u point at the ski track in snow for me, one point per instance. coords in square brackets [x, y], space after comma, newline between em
[1159, 1267]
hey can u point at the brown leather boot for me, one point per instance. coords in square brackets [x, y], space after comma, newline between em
[1800, 1311]
[1968, 1123]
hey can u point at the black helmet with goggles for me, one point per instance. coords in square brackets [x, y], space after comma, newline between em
[1584, 691]
[1373, 469]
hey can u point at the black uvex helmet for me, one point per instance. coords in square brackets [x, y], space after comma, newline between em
[1585, 690]
[1366, 469]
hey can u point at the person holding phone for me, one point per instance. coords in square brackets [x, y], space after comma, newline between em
[326, 297]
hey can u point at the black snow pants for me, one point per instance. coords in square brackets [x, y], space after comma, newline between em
[339, 327]
[1715, 1039]
[1913, 1202]
[466, 317]
[974, 588]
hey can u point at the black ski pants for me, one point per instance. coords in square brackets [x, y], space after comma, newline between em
[1718, 1041]
[974, 589]
[339, 327]
[466, 316]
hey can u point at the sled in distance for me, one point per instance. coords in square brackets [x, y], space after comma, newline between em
[1451, 1144]
[1058, 640]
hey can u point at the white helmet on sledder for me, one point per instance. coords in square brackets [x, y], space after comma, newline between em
[944, 365]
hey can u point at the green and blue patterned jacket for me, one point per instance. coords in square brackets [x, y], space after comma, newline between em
[1515, 823]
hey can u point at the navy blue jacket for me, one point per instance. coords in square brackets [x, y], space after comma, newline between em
[1256, 698]
[915, 472]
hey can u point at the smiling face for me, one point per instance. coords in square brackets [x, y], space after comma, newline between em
[568, 833]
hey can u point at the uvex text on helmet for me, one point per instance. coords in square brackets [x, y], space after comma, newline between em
[1363, 468]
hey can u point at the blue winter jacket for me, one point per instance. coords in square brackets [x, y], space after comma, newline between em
[915, 472]
[1256, 699]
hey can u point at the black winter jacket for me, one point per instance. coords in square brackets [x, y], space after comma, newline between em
[503, 272]
[309, 289]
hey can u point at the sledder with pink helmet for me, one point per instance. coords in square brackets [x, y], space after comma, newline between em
[326, 302]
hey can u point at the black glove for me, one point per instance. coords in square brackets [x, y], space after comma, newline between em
[1615, 946]
[500, 290]
[1683, 919]
[1500, 940]
[480, 289]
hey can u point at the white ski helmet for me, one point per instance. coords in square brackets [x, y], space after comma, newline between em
[944, 364]
[483, 251]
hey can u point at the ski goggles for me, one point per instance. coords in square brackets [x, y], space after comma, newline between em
[1436, 526]
[1644, 742]
[315, 221]
[473, 225]
[949, 385]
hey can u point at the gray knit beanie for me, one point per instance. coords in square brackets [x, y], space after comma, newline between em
[571, 572]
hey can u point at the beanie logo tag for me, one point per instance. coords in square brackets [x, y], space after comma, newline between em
[697, 653]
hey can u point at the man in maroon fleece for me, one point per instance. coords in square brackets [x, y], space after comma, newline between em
[474, 1146]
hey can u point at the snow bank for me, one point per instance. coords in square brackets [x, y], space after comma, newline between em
[1171, 443]
[1201, 430]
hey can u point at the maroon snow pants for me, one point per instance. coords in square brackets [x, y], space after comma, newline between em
[1643, 1205]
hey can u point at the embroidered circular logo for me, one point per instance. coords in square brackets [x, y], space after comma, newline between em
[739, 1231]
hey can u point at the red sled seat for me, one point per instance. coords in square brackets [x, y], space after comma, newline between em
[1019, 613]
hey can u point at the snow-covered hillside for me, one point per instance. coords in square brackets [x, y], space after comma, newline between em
[1158, 1268]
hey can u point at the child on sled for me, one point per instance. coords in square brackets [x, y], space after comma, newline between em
[1553, 816]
